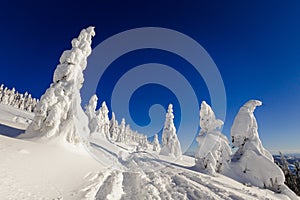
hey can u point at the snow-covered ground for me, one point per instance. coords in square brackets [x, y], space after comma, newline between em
[60, 157]
[31, 170]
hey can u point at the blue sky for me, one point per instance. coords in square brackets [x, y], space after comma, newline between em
[255, 45]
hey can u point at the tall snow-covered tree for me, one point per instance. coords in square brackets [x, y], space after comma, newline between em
[59, 113]
[156, 145]
[252, 162]
[170, 142]
[213, 153]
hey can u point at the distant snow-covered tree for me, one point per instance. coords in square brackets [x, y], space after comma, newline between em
[156, 145]
[213, 153]
[104, 120]
[121, 136]
[170, 142]
[114, 127]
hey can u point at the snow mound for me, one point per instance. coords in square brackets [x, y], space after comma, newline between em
[59, 113]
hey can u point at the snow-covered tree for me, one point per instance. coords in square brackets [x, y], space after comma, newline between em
[213, 153]
[156, 145]
[104, 120]
[170, 142]
[252, 162]
[90, 111]
[121, 136]
[114, 127]
[59, 114]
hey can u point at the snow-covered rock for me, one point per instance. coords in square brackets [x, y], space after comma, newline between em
[252, 163]
[59, 114]
[213, 153]
[170, 143]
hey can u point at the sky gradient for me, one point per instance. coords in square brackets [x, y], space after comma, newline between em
[255, 45]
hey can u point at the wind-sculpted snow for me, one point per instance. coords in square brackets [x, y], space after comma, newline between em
[214, 153]
[17, 100]
[59, 113]
[252, 163]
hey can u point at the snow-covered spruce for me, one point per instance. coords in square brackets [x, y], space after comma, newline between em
[213, 153]
[17, 100]
[156, 145]
[170, 142]
[252, 163]
[59, 113]
[114, 127]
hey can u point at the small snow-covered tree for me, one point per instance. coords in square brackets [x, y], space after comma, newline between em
[104, 120]
[213, 153]
[252, 162]
[170, 142]
[156, 145]
[121, 136]
[90, 111]
[59, 114]
[114, 127]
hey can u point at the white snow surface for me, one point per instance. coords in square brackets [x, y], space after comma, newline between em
[33, 170]
[52, 167]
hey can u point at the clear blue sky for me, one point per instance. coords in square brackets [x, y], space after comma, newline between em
[255, 44]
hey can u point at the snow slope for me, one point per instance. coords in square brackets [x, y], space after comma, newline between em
[14, 117]
[31, 170]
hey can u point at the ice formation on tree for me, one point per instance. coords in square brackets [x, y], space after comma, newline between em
[156, 145]
[213, 153]
[252, 161]
[170, 142]
[59, 113]
[17, 100]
